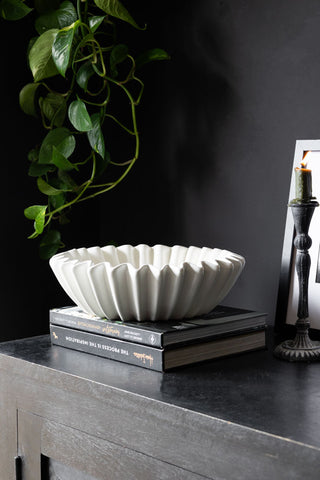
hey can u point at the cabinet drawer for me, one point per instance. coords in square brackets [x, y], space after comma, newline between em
[94, 458]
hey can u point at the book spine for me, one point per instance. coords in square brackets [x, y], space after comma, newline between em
[114, 349]
[107, 328]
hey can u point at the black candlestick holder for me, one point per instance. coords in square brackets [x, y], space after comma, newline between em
[301, 348]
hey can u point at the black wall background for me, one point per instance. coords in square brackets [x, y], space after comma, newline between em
[218, 129]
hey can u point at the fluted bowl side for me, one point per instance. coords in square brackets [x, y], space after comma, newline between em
[147, 283]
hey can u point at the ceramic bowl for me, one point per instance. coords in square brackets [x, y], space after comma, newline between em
[147, 283]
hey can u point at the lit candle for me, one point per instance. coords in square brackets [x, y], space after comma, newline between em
[303, 182]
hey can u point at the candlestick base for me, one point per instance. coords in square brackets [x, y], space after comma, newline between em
[301, 348]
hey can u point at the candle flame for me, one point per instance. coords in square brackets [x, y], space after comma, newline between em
[304, 161]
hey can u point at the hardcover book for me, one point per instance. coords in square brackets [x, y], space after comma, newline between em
[159, 359]
[220, 321]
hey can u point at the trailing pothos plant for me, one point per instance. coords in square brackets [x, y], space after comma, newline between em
[79, 68]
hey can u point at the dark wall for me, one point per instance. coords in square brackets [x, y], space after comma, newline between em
[218, 129]
[28, 288]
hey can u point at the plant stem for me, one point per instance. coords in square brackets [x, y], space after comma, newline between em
[119, 123]
[136, 155]
[78, 197]
[80, 16]
[114, 184]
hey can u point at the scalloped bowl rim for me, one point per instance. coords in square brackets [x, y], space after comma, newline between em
[65, 257]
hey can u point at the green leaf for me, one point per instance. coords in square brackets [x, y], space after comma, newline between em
[65, 181]
[79, 116]
[101, 164]
[54, 107]
[95, 22]
[64, 16]
[27, 98]
[62, 139]
[118, 54]
[31, 42]
[40, 57]
[60, 161]
[14, 9]
[117, 10]
[47, 189]
[36, 213]
[84, 74]
[32, 212]
[61, 47]
[151, 55]
[95, 136]
[35, 169]
[33, 155]
[57, 200]
[50, 244]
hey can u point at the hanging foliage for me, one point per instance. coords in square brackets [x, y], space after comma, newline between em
[79, 67]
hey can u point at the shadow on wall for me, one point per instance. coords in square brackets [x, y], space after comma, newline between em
[201, 96]
[185, 103]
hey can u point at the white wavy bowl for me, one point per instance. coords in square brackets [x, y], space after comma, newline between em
[147, 283]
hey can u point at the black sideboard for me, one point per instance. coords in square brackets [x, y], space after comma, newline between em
[87, 418]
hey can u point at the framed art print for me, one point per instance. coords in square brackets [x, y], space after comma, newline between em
[288, 294]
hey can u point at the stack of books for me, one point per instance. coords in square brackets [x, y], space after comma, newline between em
[159, 345]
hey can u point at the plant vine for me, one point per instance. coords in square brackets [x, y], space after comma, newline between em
[78, 67]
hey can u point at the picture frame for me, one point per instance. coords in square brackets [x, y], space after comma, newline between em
[288, 292]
